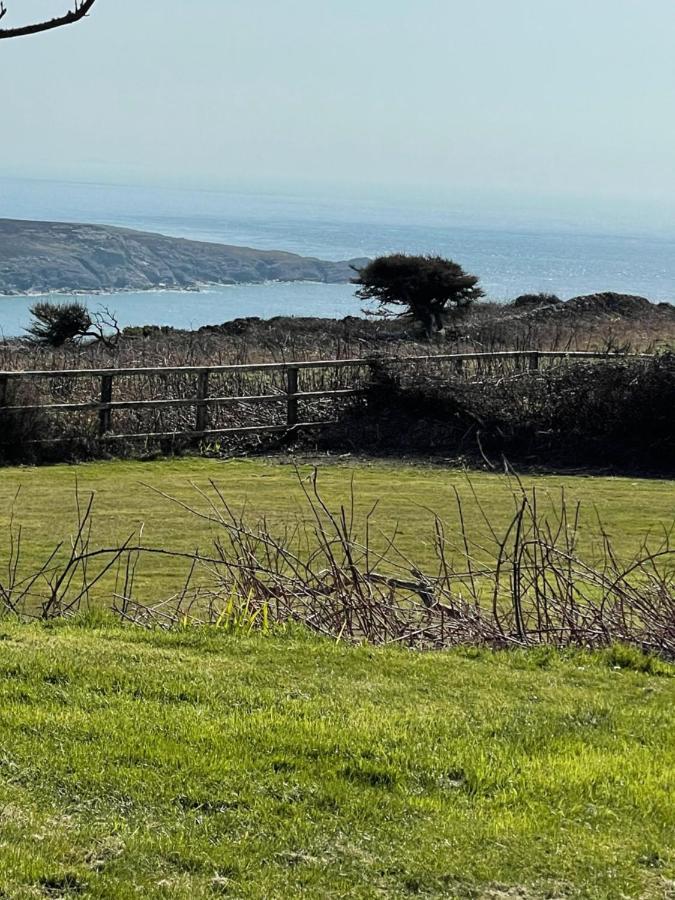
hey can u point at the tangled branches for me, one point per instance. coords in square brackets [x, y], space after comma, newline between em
[524, 585]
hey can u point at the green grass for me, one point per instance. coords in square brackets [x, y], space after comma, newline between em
[194, 765]
[629, 508]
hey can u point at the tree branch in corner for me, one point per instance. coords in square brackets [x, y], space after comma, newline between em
[82, 7]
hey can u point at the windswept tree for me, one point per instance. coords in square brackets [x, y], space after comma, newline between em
[81, 9]
[56, 324]
[424, 285]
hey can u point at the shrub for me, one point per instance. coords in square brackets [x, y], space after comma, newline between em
[613, 413]
[19, 428]
[32, 436]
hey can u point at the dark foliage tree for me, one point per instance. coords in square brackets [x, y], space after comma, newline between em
[57, 324]
[81, 9]
[425, 285]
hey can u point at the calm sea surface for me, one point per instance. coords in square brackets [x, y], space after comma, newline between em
[511, 259]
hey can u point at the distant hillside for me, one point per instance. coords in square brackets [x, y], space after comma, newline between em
[41, 257]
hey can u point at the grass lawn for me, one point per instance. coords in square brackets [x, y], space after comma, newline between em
[198, 764]
[629, 508]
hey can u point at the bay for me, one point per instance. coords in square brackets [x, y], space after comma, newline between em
[192, 309]
[513, 253]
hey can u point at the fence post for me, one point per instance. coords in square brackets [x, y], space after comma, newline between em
[533, 361]
[4, 382]
[202, 395]
[105, 413]
[291, 391]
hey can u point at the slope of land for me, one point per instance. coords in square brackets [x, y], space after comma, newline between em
[201, 764]
[43, 257]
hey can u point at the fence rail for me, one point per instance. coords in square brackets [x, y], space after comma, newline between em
[202, 401]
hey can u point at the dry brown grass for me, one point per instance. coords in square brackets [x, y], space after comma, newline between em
[487, 328]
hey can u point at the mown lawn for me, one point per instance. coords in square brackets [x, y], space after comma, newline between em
[629, 508]
[198, 764]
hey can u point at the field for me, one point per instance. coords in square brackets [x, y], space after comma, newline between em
[218, 762]
[198, 764]
[125, 500]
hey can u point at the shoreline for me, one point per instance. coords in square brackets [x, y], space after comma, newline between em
[201, 288]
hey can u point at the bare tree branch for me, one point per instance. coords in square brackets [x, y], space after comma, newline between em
[105, 328]
[82, 7]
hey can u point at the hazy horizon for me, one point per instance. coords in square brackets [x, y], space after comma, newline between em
[29, 197]
[556, 112]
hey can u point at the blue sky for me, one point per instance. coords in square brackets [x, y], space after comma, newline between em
[544, 98]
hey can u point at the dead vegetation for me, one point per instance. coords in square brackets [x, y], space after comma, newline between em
[602, 322]
[605, 323]
[613, 414]
[525, 585]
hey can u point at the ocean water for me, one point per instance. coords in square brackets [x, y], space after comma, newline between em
[511, 253]
[190, 309]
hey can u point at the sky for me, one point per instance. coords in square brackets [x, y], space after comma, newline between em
[573, 99]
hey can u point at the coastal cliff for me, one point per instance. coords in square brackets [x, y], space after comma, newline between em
[45, 257]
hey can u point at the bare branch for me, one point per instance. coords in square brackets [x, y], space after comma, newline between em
[82, 7]
[104, 327]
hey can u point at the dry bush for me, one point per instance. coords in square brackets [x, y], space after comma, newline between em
[615, 412]
[486, 328]
[523, 586]
[32, 435]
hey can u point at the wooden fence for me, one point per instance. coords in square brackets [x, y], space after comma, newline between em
[202, 400]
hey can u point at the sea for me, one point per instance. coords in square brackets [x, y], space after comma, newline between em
[512, 251]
